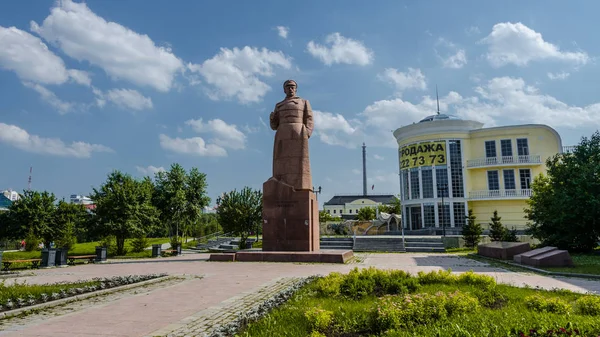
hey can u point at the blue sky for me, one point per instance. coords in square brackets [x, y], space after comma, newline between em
[138, 85]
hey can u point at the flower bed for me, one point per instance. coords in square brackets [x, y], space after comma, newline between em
[19, 295]
[371, 302]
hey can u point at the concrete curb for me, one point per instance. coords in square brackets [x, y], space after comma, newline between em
[541, 271]
[14, 312]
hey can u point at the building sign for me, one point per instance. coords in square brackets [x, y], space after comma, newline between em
[423, 154]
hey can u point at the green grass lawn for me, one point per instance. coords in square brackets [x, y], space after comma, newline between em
[87, 248]
[384, 303]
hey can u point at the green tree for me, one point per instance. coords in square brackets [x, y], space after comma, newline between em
[324, 217]
[180, 197]
[33, 216]
[124, 208]
[564, 207]
[70, 220]
[472, 231]
[366, 213]
[511, 235]
[497, 230]
[240, 212]
[394, 208]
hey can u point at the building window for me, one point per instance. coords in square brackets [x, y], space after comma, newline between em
[429, 215]
[509, 180]
[328, 212]
[427, 182]
[350, 211]
[525, 176]
[441, 177]
[490, 149]
[414, 184]
[456, 172]
[444, 214]
[405, 184]
[459, 214]
[506, 151]
[493, 181]
[522, 147]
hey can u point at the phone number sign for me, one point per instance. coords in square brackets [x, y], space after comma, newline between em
[423, 154]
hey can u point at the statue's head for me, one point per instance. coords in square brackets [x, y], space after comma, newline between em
[290, 88]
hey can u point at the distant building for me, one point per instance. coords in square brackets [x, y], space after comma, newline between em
[11, 195]
[347, 206]
[78, 199]
[4, 203]
[449, 165]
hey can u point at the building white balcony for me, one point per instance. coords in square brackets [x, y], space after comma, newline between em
[533, 159]
[568, 149]
[500, 194]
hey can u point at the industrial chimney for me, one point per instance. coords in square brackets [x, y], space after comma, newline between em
[364, 147]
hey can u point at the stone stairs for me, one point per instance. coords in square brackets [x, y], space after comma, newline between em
[336, 243]
[424, 245]
[379, 243]
[214, 243]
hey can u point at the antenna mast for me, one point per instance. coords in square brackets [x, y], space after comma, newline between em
[29, 181]
[437, 98]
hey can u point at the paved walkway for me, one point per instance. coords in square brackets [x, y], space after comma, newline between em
[185, 304]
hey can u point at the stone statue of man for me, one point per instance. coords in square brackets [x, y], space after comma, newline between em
[293, 120]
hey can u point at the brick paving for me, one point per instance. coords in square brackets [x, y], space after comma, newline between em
[186, 307]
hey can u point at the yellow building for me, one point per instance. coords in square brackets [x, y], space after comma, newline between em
[454, 165]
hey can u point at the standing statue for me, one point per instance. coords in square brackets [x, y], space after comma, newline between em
[290, 208]
[293, 120]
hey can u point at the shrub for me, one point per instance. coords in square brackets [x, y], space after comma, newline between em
[319, 319]
[470, 278]
[358, 284]
[436, 277]
[459, 303]
[31, 242]
[588, 305]
[371, 281]
[543, 304]
[329, 286]
[139, 244]
[491, 298]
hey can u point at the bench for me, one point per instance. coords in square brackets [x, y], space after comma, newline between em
[90, 258]
[172, 251]
[35, 263]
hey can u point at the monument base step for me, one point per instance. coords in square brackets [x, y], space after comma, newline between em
[322, 256]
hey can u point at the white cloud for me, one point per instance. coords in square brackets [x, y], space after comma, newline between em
[356, 171]
[283, 31]
[413, 78]
[558, 76]
[150, 170]
[378, 157]
[339, 49]
[234, 73]
[225, 135]
[124, 98]
[473, 30]
[453, 57]
[48, 96]
[15, 136]
[32, 61]
[518, 44]
[119, 51]
[334, 129]
[193, 146]
[80, 77]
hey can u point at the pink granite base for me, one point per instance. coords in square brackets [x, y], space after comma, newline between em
[223, 257]
[323, 256]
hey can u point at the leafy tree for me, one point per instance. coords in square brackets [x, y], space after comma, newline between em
[366, 213]
[472, 231]
[240, 212]
[497, 230]
[124, 208]
[324, 217]
[69, 219]
[33, 216]
[180, 197]
[394, 208]
[564, 208]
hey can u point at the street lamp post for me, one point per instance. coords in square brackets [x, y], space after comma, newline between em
[443, 188]
[317, 191]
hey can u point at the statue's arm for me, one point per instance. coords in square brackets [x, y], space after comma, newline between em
[308, 118]
[274, 119]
